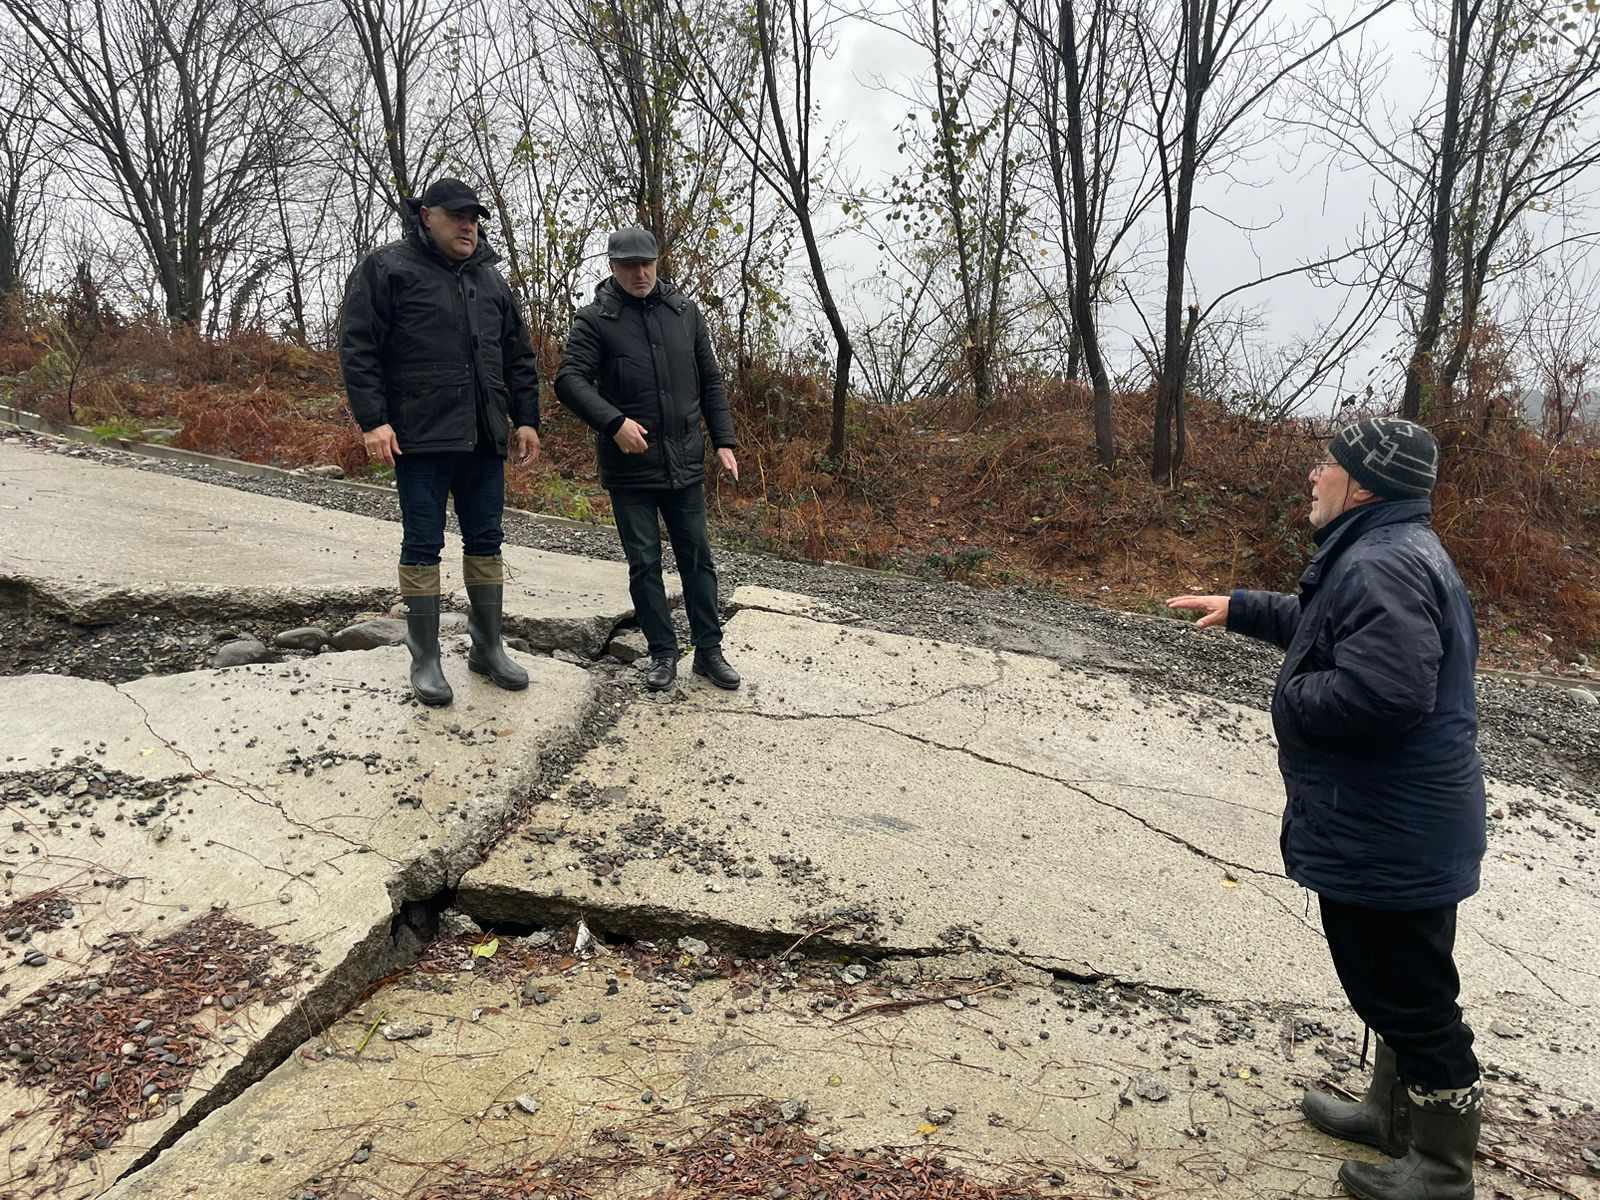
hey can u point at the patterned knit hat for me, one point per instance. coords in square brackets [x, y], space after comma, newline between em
[1394, 459]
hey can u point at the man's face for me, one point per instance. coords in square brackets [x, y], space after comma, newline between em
[454, 231]
[1333, 492]
[635, 276]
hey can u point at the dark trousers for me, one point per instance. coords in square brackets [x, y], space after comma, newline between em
[684, 511]
[1399, 971]
[477, 481]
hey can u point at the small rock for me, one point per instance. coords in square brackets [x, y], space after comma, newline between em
[939, 1116]
[527, 1104]
[324, 471]
[628, 646]
[302, 637]
[404, 1032]
[854, 973]
[1584, 697]
[369, 635]
[954, 1005]
[648, 1096]
[1502, 1029]
[237, 653]
[1147, 1087]
[693, 947]
[362, 1154]
[793, 1110]
[591, 1018]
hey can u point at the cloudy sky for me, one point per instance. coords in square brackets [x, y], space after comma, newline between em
[1297, 207]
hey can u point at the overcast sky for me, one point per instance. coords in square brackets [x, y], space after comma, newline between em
[1298, 209]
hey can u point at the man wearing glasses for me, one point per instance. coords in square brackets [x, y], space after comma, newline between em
[442, 379]
[1377, 729]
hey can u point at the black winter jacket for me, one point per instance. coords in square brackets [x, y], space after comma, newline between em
[435, 348]
[1375, 713]
[651, 360]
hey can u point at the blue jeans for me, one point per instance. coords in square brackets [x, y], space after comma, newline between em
[477, 480]
[684, 511]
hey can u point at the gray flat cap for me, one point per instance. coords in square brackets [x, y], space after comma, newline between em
[633, 244]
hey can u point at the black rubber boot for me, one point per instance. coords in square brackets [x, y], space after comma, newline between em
[710, 664]
[422, 639]
[1437, 1167]
[488, 654]
[663, 672]
[1381, 1118]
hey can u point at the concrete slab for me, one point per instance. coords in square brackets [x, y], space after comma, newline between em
[102, 544]
[636, 1064]
[233, 856]
[876, 791]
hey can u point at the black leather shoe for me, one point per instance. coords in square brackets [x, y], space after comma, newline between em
[714, 667]
[663, 672]
[422, 639]
[488, 654]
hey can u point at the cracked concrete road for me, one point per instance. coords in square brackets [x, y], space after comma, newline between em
[626, 1056]
[893, 795]
[311, 800]
[102, 544]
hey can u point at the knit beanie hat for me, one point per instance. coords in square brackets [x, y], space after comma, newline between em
[1394, 459]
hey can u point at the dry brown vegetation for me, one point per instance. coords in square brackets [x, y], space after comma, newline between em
[1009, 495]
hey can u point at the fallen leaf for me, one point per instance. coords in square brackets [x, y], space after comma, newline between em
[486, 949]
[835, 1081]
[926, 1128]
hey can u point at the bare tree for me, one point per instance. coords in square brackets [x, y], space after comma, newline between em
[165, 95]
[26, 164]
[777, 138]
[1205, 67]
[1083, 55]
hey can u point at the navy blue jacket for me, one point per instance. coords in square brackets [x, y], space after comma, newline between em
[1375, 713]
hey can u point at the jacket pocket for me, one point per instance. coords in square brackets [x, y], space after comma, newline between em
[435, 405]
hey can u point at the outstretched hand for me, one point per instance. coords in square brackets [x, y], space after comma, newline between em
[1213, 610]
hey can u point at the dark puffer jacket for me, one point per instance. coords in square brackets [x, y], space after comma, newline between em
[1375, 713]
[651, 360]
[435, 348]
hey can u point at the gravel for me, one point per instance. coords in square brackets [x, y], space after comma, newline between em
[1531, 733]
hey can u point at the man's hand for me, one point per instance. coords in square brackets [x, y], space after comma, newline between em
[730, 464]
[526, 445]
[630, 438]
[382, 445]
[1213, 609]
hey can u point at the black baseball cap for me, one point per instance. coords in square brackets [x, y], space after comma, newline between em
[454, 195]
[633, 244]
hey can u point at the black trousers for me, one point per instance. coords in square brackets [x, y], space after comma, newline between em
[684, 511]
[476, 479]
[1399, 971]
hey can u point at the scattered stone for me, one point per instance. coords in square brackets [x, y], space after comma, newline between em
[405, 1032]
[939, 1116]
[693, 947]
[527, 1104]
[237, 653]
[324, 471]
[1148, 1087]
[302, 637]
[793, 1110]
[369, 635]
[1584, 697]
[854, 973]
[1504, 1029]
[591, 1018]
[628, 646]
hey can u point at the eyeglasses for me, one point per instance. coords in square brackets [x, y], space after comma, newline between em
[1320, 467]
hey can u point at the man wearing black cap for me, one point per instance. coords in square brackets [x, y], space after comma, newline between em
[639, 370]
[442, 379]
[1377, 729]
